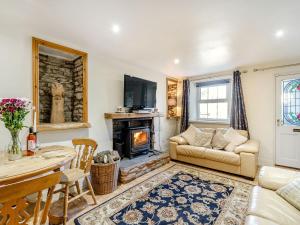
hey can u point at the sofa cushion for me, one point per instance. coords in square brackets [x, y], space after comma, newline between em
[267, 204]
[219, 142]
[291, 192]
[274, 178]
[191, 151]
[190, 134]
[223, 156]
[179, 140]
[202, 139]
[234, 138]
[256, 220]
[250, 146]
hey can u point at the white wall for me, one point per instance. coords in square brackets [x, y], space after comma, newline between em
[105, 88]
[259, 95]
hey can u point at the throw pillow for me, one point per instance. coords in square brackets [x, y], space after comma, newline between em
[180, 140]
[190, 134]
[203, 139]
[234, 139]
[241, 132]
[219, 142]
[291, 192]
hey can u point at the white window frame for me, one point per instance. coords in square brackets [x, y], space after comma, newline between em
[227, 99]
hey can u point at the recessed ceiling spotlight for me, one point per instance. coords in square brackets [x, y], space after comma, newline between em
[115, 28]
[176, 61]
[279, 33]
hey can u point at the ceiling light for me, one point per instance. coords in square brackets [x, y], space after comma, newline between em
[115, 28]
[176, 61]
[279, 33]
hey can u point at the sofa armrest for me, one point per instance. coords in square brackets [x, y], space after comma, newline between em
[249, 164]
[179, 140]
[274, 178]
[173, 149]
[251, 146]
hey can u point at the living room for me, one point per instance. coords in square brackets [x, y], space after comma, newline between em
[76, 70]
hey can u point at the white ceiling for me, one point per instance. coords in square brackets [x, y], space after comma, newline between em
[206, 35]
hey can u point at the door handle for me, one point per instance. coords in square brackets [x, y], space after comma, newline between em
[279, 122]
[296, 130]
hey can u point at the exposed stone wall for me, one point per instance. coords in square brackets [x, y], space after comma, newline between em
[54, 69]
[78, 90]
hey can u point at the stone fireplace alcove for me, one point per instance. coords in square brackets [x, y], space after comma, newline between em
[60, 94]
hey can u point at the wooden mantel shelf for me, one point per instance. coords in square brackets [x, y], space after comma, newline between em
[130, 115]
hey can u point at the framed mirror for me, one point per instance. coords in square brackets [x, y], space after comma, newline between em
[59, 86]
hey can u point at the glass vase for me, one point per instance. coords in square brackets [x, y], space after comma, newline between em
[14, 148]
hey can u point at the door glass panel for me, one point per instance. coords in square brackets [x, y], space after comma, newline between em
[291, 102]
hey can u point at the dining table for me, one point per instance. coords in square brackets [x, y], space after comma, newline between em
[45, 160]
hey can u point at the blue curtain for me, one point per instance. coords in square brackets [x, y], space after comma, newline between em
[238, 118]
[185, 106]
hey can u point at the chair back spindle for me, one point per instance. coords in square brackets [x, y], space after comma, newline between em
[85, 149]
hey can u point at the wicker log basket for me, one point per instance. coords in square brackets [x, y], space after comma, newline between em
[105, 171]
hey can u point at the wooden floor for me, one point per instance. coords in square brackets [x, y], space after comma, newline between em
[124, 187]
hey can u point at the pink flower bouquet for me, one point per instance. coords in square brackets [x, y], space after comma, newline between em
[12, 113]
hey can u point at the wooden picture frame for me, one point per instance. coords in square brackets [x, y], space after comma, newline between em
[172, 97]
[36, 42]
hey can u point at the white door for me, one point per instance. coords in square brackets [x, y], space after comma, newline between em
[288, 120]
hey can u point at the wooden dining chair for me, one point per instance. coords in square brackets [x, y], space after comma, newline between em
[80, 168]
[13, 202]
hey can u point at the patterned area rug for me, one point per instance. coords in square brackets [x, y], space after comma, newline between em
[180, 195]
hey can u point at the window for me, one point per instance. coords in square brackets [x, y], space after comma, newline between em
[213, 100]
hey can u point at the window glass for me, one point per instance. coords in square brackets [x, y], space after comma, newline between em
[203, 110]
[204, 93]
[213, 100]
[222, 91]
[213, 92]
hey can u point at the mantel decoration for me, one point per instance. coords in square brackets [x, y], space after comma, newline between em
[12, 113]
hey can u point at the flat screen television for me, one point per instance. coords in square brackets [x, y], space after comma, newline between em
[139, 93]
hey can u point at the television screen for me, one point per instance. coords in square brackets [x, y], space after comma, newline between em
[139, 93]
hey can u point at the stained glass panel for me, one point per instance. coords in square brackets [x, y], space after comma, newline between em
[291, 102]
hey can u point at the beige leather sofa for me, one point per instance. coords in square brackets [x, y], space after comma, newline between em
[243, 161]
[268, 208]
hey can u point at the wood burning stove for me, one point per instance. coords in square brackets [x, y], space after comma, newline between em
[137, 141]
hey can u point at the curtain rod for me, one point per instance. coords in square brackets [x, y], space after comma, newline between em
[215, 75]
[275, 67]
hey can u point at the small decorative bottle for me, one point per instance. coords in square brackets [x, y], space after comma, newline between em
[31, 143]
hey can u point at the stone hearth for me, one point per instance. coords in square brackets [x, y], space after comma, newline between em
[131, 169]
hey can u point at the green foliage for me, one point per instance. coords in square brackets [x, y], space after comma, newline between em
[14, 120]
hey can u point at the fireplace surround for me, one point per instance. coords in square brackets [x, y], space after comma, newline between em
[132, 136]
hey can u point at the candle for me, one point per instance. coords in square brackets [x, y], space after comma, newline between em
[34, 122]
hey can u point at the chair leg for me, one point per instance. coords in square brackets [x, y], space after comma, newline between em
[66, 204]
[47, 206]
[91, 189]
[78, 187]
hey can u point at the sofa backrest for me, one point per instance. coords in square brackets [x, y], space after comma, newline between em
[207, 130]
[241, 132]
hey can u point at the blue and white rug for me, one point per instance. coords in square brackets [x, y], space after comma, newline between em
[180, 195]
